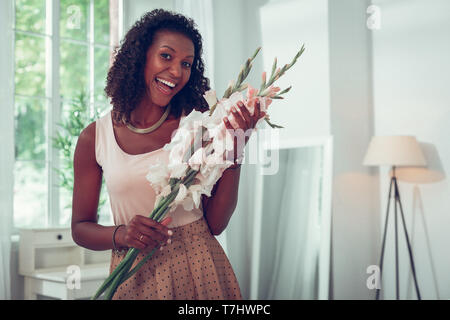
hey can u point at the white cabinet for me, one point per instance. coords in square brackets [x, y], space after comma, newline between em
[53, 265]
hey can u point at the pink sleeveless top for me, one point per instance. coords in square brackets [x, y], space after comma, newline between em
[129, 191]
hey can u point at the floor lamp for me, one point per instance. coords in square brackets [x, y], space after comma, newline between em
[395, 151]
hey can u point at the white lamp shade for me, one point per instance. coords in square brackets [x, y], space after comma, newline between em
[394, 151]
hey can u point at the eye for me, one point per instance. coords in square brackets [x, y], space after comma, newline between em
[166, 56]
[187, 65]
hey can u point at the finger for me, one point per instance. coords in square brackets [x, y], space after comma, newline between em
[146, 240]
[262, 114]
[154, 224]
[227, 124]
[147, 233]
[136, 243]
[239, 120]
[166, 221]
[230, 155]
[257, 112]
[246, 115]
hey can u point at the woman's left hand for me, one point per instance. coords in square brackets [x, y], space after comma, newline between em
[245, 122]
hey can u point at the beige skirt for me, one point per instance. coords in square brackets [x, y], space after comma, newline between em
[193, 267]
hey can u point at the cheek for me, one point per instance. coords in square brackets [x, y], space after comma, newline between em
[151, 67]
[148, 76]
[186, 77]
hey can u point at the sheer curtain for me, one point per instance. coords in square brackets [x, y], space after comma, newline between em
[7, 143]
[295, 219]
[202, 13]
[290, 235]
[5, 252]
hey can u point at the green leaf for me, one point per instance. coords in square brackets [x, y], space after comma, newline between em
[274, 126]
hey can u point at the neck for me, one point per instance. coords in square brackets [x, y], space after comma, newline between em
[146, 114]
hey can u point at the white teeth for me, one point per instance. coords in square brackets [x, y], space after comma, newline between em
[170, 84]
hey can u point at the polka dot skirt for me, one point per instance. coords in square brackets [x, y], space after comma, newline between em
[192, 267]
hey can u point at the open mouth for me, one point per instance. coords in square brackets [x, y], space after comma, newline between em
[165, 86]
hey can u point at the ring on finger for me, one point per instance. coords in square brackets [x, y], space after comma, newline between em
[141, 237]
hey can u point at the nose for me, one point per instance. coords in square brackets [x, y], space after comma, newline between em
[175, 70]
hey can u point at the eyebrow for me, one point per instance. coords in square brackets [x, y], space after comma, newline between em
[166, 46]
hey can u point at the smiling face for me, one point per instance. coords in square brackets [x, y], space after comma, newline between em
[168, 66]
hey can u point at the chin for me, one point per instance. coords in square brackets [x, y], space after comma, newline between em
[161, 101]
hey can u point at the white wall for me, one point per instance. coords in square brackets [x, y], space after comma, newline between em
[286, 26]
[355, 190]
[411, 92]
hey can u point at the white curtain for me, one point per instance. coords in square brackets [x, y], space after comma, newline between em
[202, 14]
[5, 253]
[7, 143]
[290, 228]
[291, 213]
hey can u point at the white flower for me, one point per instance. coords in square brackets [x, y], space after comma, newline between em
[182, 192]
[192, 120]
[158, 176]
[208, 161]
[197, 159]
[210, 97]
[216, 118]
[195, 191]
[183, 198]
[166, 191]
[188, 204]
[157, 200]
[235, 98]
[177, 170]
[208, 177]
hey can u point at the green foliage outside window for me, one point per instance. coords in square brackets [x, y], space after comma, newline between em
[82, 66]
[77, 117]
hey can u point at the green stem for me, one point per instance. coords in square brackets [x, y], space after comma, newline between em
[163, 209]
[165, 202]
[139, 265]
[188, 181]
[118, 280]
[108, 281]
[113, 275]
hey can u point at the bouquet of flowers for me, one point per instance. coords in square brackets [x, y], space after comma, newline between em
[198, 156]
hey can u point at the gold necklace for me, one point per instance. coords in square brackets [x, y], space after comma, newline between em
[152, 127]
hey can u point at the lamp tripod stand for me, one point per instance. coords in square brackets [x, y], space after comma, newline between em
[397, 201]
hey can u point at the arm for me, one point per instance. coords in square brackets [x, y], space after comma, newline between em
[222, 203]
[139, 233]
[219, 208]
[86, 232]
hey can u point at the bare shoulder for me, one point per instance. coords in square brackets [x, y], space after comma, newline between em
[87, 136]
[86, 142]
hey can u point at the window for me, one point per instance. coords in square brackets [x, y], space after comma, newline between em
[62, 49]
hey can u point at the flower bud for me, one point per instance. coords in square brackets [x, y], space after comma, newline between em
[210, 97]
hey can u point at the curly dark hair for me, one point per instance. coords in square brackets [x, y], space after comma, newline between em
[126, 83]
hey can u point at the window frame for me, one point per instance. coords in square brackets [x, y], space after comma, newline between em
[52, 98]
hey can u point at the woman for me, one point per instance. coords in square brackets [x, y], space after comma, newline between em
[156, 78]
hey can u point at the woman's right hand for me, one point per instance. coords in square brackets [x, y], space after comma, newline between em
[142, 232]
